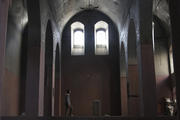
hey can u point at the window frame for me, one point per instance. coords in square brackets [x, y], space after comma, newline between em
[75, 49]
[101, 49]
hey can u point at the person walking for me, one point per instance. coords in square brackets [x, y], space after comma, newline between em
[68, 109]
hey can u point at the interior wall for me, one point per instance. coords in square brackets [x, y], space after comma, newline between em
[91, 77]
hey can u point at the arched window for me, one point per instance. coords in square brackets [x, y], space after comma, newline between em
[77, 39]
[101, 38]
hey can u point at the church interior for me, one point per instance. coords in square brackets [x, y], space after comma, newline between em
[119, 58]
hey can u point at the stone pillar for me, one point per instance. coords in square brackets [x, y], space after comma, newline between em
[4, 6]
[33, 59]
[124, 80]
[175, 23]
[147, 82]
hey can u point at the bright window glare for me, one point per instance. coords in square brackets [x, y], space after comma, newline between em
[101, 37]
[78, 38]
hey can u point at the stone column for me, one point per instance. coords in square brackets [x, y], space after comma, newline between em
[33, 58]
[175, 22]
[124, 80]
[147, 82]
[4, 6]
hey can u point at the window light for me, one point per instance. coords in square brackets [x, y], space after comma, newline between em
[101, 38]
[77, 39]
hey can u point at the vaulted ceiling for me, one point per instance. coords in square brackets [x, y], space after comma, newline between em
[161, 11]
[117, 10]
[63, 10]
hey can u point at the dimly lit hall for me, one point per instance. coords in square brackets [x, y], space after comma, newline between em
[89, 59]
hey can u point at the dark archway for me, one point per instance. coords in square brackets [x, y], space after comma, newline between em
[93, 79]
[57, 102]
[48, 71]
[133, 90]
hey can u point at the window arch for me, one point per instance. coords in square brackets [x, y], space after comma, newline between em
[77, 39]
[101, 33]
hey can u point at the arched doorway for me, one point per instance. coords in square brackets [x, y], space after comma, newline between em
[48, 71]
[93, 74]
